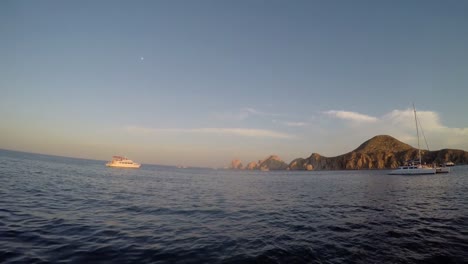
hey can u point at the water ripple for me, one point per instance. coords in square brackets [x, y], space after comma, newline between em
[74, 211]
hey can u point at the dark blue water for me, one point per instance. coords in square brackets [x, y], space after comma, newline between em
[55, 209]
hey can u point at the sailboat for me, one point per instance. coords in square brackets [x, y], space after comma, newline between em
[414, 167]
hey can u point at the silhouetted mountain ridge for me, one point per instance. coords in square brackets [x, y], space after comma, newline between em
[379, 152]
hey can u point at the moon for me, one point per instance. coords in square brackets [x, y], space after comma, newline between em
[142, 58]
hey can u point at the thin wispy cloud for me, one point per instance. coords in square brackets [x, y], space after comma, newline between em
[245, 132]
[289, 124]
[256, 112]
[351, 116]
[245, 113]
[295, 124]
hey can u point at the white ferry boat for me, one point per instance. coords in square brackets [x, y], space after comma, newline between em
[122, 162]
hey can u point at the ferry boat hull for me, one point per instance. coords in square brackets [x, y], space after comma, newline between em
[133, 166]
[122, 162]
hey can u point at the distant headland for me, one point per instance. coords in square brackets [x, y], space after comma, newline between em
[379, 152]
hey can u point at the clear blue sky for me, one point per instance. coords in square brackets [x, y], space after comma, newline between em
[202, 82]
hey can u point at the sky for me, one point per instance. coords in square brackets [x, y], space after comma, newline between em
[199, 83]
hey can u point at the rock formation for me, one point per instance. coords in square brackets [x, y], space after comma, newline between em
[272, 162]
[252, 166]
[236, 165]
[298, 164]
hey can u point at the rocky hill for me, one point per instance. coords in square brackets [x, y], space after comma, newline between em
[379, 152]
[273, 162]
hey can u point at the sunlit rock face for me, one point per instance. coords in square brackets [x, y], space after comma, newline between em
[236, 165]
[273, 162]
[252, 166]
[298, 164]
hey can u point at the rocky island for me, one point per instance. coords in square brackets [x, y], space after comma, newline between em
[379, 152]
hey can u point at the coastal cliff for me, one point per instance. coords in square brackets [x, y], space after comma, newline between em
[379, 152]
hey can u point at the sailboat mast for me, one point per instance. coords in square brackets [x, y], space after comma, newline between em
[417, 133]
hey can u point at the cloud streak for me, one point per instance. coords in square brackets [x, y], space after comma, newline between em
[289, 124]
[245, 132]
[351, 116]
[245, 113]
[295, 124]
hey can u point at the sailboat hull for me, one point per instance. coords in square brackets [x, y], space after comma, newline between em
[413, 171]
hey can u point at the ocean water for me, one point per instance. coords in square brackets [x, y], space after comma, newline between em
[65, 210]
